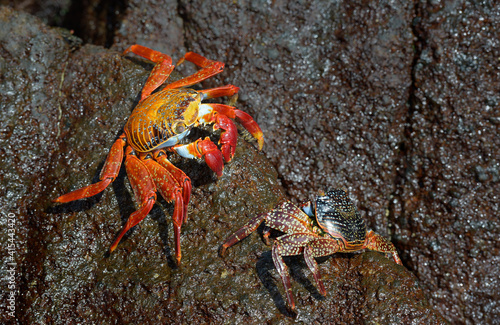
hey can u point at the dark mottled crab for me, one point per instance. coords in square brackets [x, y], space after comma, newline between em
[331, 226]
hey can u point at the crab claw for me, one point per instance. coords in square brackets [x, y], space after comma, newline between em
[200, 148]
[249, 123]
[228, 137]
[213, 156]
[245, 119]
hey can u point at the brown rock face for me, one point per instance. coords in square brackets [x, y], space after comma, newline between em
[399, 102]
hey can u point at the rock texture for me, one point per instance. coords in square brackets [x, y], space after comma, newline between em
[396, 101]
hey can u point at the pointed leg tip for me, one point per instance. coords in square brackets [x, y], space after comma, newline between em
[65, 199]
[259, 136]
[127, 50]
[260, 142]
[222, 251]
[113, 247]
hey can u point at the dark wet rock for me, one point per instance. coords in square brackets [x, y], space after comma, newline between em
[51, 12]
[150, 26]
[448, 201]
[396, 101]
[328, 83]
[64, 105]
[32, 61]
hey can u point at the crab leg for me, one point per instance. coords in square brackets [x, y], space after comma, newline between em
[209, 69]
[249, 123]
[227, 90]
[180, 177]
[147, 53]
[317, 248]
[108, 174]
[144, 192]
[286, 218]
[200, 148]
[375, 242]
[294, 244]
[313, 266]
[243, 232]
[160, 72]
[170, 191]
[283, 272]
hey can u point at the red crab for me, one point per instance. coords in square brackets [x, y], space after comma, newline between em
[333, 225]
[158, 124]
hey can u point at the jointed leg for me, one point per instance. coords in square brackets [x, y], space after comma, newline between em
[317, 248]
[243, 232]
[283, 272]
[148, 53]
[170, 190]
[375, 242]
[227, 90]
[108, 174]
[245, 119]
[209, 69]
[160, 72]
[181, 178]
[286, 218]
[313, 266]
[289, 245]
[144, 192]
[312, 246]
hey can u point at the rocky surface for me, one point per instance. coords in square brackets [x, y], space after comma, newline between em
[74, 101]
[396, 101]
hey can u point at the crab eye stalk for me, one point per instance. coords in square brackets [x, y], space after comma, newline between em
[179, 127]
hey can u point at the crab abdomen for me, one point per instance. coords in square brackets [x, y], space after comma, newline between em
[162, 119]
[338, 216]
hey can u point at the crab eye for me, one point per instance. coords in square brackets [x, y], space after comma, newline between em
[179, 127]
